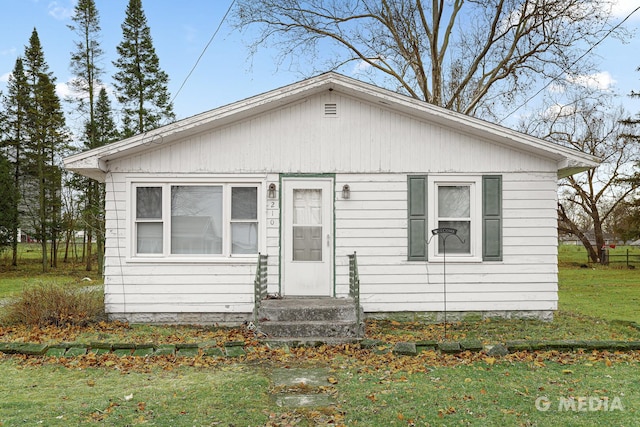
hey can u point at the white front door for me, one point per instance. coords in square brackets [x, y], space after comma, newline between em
[307, 236]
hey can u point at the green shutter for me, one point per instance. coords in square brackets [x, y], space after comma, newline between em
[417, 218]
[492, 218]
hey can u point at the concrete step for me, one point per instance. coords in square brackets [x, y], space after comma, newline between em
[308, 341]
[310, 328]
[309, 321]
[302, 309]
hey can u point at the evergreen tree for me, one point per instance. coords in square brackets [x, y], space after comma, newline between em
[47, 139]
[8, 196]
[85, 63]
[16, 104]
[140, 83]
[105, 132]
[85, 66]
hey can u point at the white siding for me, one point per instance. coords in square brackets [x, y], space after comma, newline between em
[365, 138]
[372, 149]
[373, 223]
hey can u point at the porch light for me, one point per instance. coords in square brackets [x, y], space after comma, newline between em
[271, 193]
[346, 192]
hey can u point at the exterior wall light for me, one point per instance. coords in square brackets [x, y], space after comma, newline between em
[271, 193]
[346, 192]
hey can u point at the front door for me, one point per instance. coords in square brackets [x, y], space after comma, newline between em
[307, 236]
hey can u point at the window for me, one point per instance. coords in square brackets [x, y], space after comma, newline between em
[454, 211]
[149, 223]
[472, 205]
[205, 220]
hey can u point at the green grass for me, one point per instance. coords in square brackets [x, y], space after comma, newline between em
[503, 394]
[479, 393]
[29, 271]
[58, 396]
[454, 391]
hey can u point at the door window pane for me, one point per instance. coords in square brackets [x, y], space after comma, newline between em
[307, 243]
[149, 237]
[307, 206]
[196, 219]
[307, 224]
[149, 202]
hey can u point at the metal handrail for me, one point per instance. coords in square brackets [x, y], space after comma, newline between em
[354, 285]
[260, 284]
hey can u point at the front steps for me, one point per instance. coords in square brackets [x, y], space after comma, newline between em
[309, 321]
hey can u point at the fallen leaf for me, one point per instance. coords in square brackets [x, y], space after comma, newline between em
[332, 380]
[490, 360]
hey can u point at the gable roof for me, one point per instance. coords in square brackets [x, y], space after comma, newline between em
[93, 163]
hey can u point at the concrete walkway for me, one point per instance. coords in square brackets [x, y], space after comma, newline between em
[302, 388]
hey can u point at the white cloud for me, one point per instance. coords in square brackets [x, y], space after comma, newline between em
[4, 78]
[600, 81]
[558, 110]
[64, 91]
[622, 8]
[60, 11]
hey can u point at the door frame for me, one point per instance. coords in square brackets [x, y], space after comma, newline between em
[332, 261]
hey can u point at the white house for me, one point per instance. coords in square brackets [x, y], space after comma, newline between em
[312, 172]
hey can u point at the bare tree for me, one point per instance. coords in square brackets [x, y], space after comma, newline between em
[590, 200]
[472, 56]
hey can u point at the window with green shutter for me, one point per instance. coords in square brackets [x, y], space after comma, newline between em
[470, 204]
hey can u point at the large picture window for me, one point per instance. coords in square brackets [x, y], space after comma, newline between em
[186, 220]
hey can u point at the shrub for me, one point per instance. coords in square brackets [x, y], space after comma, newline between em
[58, 305]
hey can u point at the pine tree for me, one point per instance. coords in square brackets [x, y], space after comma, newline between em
[85, 66]
[16, 104]
[85, 63]
[8, 196]
[105, 132]
[47, 139]
[140, 83]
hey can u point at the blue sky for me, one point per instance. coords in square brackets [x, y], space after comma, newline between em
[226, 73]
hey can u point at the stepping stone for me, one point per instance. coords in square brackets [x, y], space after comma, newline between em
[370, 343]
[100, 351]
[234, 351]
[165, 350]
[56, 351]
[471, 345]
[449, 347]
[31, 349]
[213, 352]
[405, 348]
[123, 352]
[312, 377]
[187, 351]
[304, 401]
[75, 351]
[426, 345]
[497, 350]
[143, 351]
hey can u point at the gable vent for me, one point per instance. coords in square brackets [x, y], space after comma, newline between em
[331, 110]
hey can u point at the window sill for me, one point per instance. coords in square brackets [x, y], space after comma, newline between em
[237, 260]
[451, 259]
